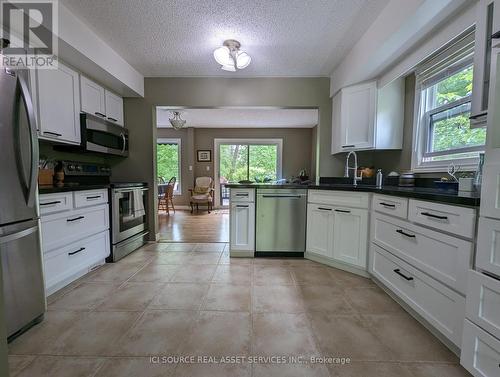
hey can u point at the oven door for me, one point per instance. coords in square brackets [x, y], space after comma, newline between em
[104, 137]
[129, 215]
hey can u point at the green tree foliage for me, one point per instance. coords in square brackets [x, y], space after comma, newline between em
[248, 162]
[451, 128]
[167, 161]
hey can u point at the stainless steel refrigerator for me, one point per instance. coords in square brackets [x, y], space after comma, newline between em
[21, 257]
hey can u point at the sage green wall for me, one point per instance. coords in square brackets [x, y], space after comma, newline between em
[215, 92]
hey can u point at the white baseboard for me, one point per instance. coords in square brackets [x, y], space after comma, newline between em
[241, 254]
[333, 263]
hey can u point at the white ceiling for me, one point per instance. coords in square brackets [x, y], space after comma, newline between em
[177, 37]
[241, 117]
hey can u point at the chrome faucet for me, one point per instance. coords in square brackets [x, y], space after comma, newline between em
[355, 168]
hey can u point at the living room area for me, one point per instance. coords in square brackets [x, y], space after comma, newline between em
[200, 150]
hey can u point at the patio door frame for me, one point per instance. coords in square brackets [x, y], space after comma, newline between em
[244, 141]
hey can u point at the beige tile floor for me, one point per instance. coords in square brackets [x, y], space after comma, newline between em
[192, 299]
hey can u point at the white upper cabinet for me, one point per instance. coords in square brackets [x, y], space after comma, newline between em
[114, 107]
[364, 117]
[57, 102]
[482, 58]
[93, 97]
[99, 101]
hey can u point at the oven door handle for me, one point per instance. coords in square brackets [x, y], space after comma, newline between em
[131, 189]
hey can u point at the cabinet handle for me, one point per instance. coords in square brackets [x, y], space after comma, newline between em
[400, 231]
[50, 203]
[387, 205]
[93, 197]
[342, 210]
[113, 119]
[476, 116]
[348, 146]
[77, 251]
[52, 133]
[100, 114]
[241, 206]
[324, 209]
[434, 216]
[398, 271]
[76, 218]
[241, 195]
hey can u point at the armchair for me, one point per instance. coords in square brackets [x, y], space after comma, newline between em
[202, 193]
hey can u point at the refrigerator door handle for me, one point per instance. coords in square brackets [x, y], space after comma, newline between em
[28, 103]
[17, 235]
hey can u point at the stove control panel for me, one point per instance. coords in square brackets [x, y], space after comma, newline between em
[84, 168]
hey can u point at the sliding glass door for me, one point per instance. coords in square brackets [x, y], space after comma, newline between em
[247, 160]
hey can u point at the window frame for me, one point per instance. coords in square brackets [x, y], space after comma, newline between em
[178, 141]
[422, 127]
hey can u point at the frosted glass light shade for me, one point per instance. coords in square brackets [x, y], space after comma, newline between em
[243, 60]
[229, 67]
[222, 56]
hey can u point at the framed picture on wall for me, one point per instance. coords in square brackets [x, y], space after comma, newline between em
[204, 155]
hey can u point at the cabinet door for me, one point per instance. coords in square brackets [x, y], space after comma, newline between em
[58, 102]
[488, 246]
[319, 229]
[242, 227]
[357, 116]
[114, 108]
[490, 191]
[93, 101]
[350, 230]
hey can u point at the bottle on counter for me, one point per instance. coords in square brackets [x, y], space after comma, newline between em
[379, 178]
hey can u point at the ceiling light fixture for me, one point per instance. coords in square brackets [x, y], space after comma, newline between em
[230, 57]
[177, 122]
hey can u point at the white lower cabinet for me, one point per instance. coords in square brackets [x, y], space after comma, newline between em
[242, 226]
[440, 306]
[480, 351]
[74, 240]
[488, 246]
[338, 232]
[350, 236]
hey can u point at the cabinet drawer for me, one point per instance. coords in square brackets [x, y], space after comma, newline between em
[443, 257]
[483, 302]
[439, 305]
[63, 228]
[391, 205]
[480, 352]
[339, 198]
[51, 203]
[90, 198]
[488, 246]
[452, 219]
[242, 195]
[70, 260]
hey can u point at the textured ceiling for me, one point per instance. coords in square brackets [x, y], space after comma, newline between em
[241, 118]
[177, 37]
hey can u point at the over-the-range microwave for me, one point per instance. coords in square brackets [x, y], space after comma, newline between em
[100, 136]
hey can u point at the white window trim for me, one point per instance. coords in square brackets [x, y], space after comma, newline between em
[218, 142]
[419, 144]
[178, 141]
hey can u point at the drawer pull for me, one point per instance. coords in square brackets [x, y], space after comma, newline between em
[100, 114]
[241, 206]
[348, 146]
[434, 216]
[50, 203]
[241, 195]
[113, 119]
[52, 133]
[93, 197]
[387, 205]
[75, 219]
[342, 211]
[398, 271]
[77, 251]
[324, 209]
[401, 231]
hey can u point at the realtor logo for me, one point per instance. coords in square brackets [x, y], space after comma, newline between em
[30, 27]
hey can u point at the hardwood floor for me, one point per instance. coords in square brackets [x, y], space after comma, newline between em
[197, 227]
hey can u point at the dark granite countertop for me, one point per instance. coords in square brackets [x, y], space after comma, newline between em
[471, 199]
[50, 189]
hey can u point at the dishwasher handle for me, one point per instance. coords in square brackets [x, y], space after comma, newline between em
[284, 196]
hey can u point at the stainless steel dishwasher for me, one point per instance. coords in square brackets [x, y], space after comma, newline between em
[281, 222]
